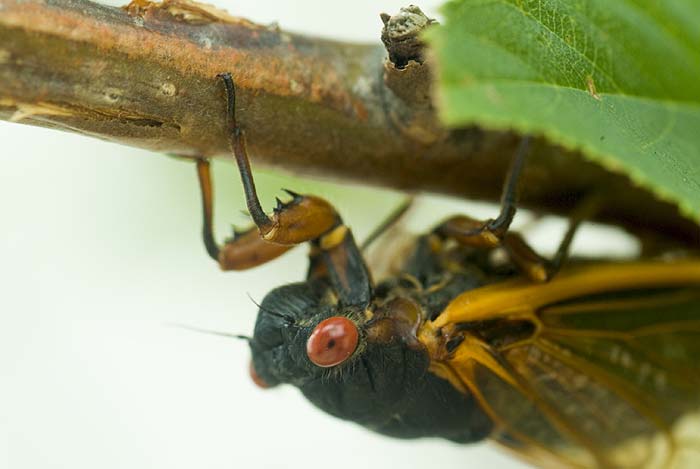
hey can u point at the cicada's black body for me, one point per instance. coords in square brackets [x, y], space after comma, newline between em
[386, 385]
[569, 364]
[407, 378]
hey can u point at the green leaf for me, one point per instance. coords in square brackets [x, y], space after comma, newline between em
[617, 79]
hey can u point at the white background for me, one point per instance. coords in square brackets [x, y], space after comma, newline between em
[100, 254]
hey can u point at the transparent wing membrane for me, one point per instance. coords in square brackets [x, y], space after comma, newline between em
[605, 380]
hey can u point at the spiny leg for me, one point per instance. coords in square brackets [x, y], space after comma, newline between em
[237, 144]
[303, 219]
[391, 220]
[509, 197]
[494, 233]
[245, 250]
[537, 267]
[204, 177]
[335, 255]
[585, 211]
[490, 233]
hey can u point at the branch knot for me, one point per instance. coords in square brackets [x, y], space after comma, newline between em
[401, 35]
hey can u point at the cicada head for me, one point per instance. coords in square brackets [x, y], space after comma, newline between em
[353, 363]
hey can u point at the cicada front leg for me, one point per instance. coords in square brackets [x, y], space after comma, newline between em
[305, 218]
[246, 249]
[494, 233]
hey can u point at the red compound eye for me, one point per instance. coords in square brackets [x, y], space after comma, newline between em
[332, 341]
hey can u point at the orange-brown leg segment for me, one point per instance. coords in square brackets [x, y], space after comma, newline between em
[462, 229]
[245, 250]
[536, 267]
[494, 233]
[304, 218]
[490, 233]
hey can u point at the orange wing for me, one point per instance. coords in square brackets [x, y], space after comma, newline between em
[598, 368]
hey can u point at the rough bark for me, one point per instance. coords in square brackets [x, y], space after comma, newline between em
[145, 76]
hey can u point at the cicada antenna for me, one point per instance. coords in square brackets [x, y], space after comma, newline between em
[210, 331]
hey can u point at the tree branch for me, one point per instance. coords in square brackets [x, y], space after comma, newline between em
[145, 76]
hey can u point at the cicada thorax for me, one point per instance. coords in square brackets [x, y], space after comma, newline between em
[596, 368]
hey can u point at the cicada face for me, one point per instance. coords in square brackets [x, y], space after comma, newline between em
[365, 366]
[327, 352]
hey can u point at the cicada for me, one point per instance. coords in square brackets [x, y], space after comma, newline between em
[566, 362]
